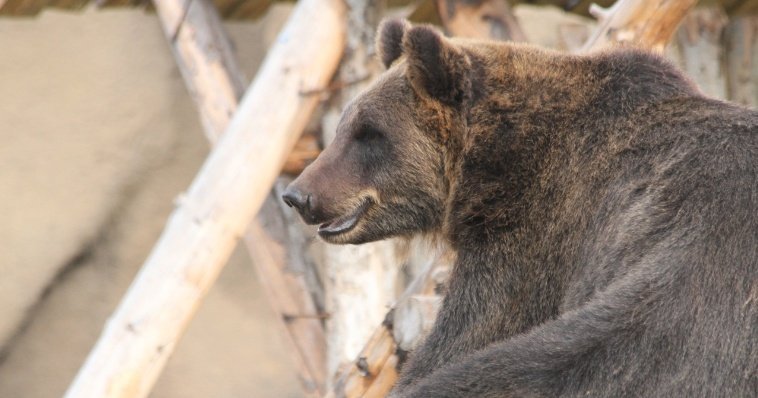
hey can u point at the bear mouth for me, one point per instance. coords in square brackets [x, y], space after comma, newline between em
[343, 224]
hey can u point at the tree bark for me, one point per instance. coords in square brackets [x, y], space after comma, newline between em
[210, 218]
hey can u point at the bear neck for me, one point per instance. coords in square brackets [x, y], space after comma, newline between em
[530, 117]
[536, 149]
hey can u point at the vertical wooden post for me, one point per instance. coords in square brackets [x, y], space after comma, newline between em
[210, 218]
[742, 60]
[700, 45]
[361, 281]
[645, 23]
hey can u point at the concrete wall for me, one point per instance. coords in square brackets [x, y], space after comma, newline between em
[98, 135]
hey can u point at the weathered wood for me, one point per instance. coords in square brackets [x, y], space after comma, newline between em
[482, 18]
[741, 38]
[360, 281]
[644, 23]
[699, 41]
[211, 73]
[213, 214]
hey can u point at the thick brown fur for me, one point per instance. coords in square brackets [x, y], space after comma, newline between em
[603, 214]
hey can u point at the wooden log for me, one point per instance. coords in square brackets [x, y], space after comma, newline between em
[210, 218]
[211, 73]
[360, 281]
[480, 19]
[741, 38]
[700, 47]
[644, 23]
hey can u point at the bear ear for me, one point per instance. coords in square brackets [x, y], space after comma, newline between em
[436, 67]
[389, 44]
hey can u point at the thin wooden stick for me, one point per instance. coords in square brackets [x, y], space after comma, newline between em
[208, 221]
[212, 76]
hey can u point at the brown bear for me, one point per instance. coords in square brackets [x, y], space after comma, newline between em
[603, 213]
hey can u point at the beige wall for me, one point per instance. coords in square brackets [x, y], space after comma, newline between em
[97, 136]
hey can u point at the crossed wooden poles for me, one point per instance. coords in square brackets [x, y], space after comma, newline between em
[252, 139]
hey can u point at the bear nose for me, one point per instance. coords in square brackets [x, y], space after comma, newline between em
[300, 201]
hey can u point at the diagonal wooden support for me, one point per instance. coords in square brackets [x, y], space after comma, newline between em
[211, 73]
[214, 213]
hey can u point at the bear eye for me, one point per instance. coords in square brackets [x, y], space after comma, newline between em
[368, 133]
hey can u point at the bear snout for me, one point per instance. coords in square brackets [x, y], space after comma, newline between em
[302, 202]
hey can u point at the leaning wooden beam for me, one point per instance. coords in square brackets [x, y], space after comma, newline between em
[210, 218]
[480, 19]
[357, 381]
[210, 70]
[644, 23]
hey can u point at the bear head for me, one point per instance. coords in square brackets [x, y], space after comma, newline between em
[388, 171]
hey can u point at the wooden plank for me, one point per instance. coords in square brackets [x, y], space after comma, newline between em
[211, 217]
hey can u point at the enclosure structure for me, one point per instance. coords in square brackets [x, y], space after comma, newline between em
[317, 303]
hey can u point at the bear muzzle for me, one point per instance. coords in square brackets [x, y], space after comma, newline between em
[305, 204]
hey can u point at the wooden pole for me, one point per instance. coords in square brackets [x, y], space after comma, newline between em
[214, 80]
[213, 214]
[644, 23]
